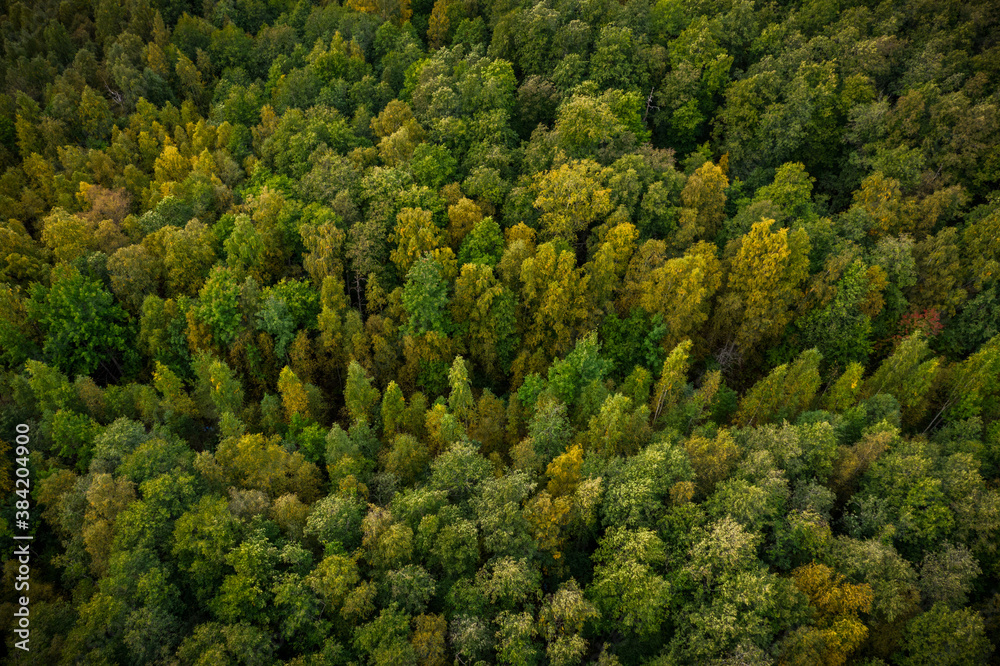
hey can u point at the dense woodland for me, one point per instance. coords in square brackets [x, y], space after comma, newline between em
[403, 332]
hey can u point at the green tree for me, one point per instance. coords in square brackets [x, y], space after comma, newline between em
[943, 636]
[907, 374]
[482, 245]
[84, 329]
[425, 297]
[627, 591]
[786, 391]
[359, 394]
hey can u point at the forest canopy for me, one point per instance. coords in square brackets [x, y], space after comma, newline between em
[420, 332]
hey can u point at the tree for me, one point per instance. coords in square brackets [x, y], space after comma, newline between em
[407, 459]
[688, 96]
[971, 382]
[503, 523]
[460, 399]
[610, 263]
[487, 310]
[324, 241]
[939, 272]
[946, 576]
[627, 591]
[202, 536]
[980, 241]
[134, 276]
[786, 391]
[515, 644]
[712, 459]
[638, 492]
[561, 621]
[907, 374]
[22, 260]
[482, 245]
[618, 429]
[397, 11]
[943, 636]
[835, 604]
[106, 498]
[841, 330]
[605, 125]
[84, 328]
[255, 462]
[553, 300]
[294, 395]
[425, 298]
[791, 192]
[571, 199]
[763, 284]
[844, 392]
[176, 401]
[359, 394]
[704, 200]
[335, 521]
[681, 291]
[415, 235]
[218, 306]
[673, 379]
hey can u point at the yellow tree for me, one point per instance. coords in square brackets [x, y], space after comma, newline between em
[837, 630]
[763, 284]
[106, 498]
[571, 199]
[554, 303]
[398, 132]
[324, 243]
[682, 290]
[673, 378]
[462, 217]
[293, 394]
[610, 264]
[22, 260]
[428, 640]
[415, 235]
[881, 200]
[68, 236]
[565, 472]
[185, 254]
[486, 309]
[704, 201]
[437, 30]
[712, 459]
[844, 392]
[397, 11]
[259, 463]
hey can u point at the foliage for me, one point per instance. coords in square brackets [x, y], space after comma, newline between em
[439, 331]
